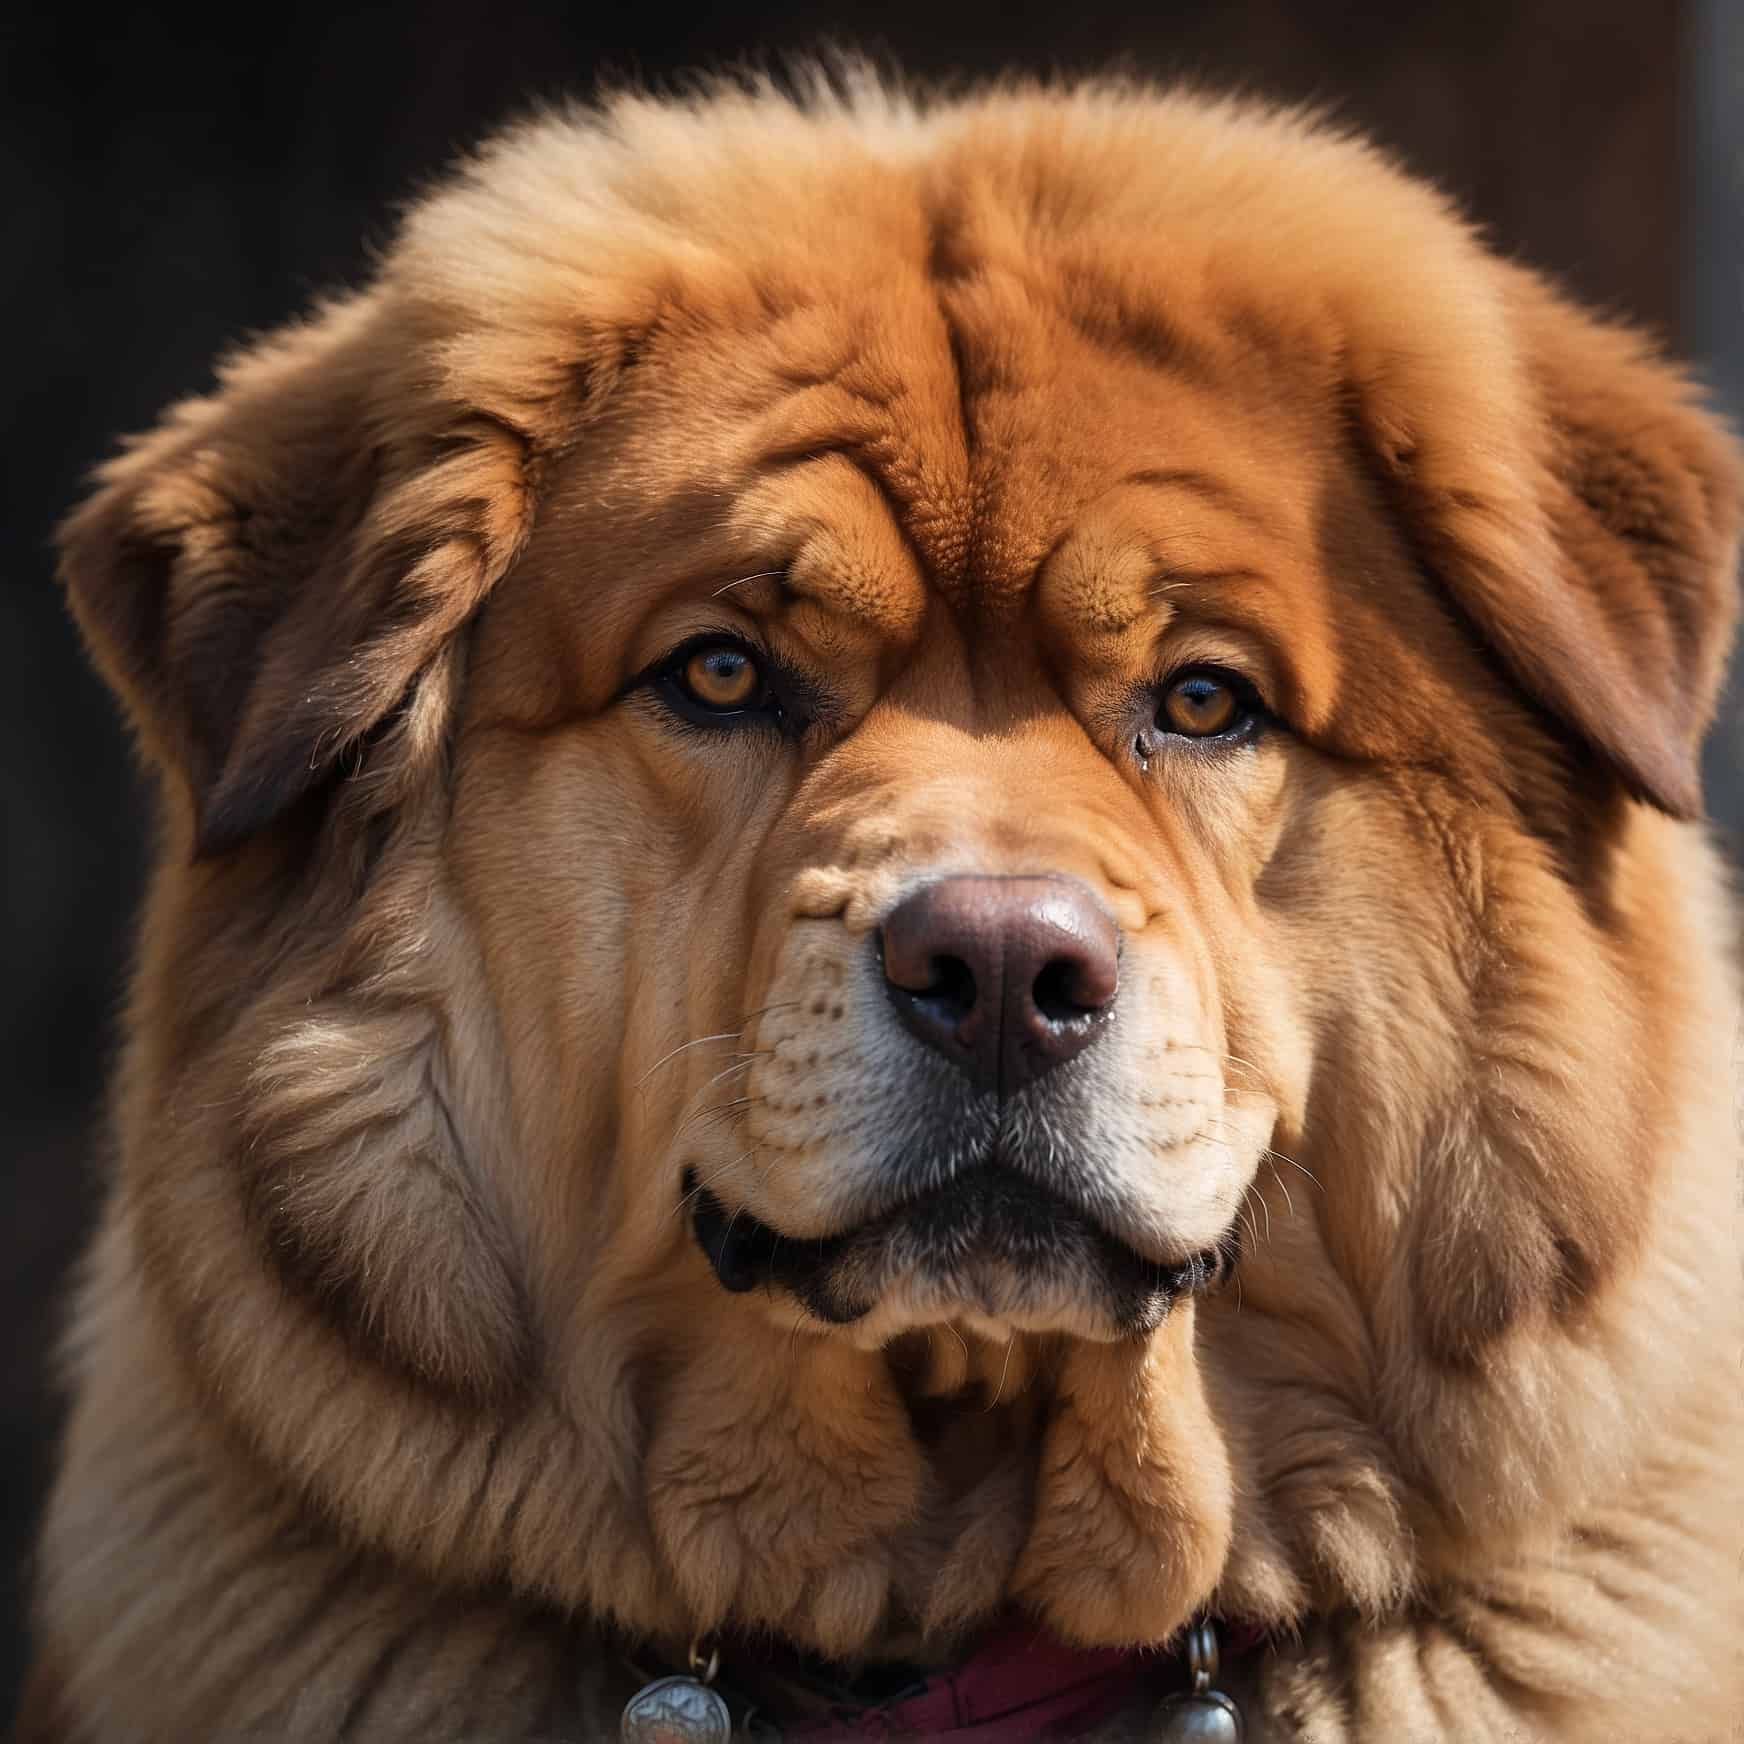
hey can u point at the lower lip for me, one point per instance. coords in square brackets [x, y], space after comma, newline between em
[1039, 1229]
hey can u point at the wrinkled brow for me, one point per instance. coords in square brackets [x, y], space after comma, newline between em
[1218, 492]
[844, 549]
[1157, 533]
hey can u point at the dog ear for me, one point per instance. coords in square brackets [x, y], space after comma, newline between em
[1583, 511]
[273, 570]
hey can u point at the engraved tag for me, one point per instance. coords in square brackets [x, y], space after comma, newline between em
[675, 1710]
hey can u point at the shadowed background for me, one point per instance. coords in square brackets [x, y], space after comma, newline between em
[164, 190]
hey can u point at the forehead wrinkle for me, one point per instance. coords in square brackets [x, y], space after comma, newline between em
[1050, 416]
[846, 551]
[1124, 553]
[905, 437]
[1111, 301]
[1218, 492]
[929, 534]
[854, 584]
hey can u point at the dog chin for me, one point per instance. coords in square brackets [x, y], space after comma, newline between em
[990, 1251]
[990, 1299]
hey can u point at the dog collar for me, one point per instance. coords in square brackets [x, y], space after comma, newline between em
[1020, 1685]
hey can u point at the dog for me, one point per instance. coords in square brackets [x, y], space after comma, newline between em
[927, 868]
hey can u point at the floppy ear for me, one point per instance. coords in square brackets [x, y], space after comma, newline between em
[273, 570]
[1583, 511]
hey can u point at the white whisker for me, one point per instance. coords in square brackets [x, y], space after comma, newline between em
[1005, 1369]
[725, 1035]
[1291, 1203]
[761, 575]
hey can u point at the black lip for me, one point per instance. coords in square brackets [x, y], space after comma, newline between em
[989, 1208]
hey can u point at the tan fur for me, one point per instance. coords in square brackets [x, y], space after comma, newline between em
[405, 1405]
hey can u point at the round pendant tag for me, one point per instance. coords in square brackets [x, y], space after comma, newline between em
[675, 1710]
[1204, 1717]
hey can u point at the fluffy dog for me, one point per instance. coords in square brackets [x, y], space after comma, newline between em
[919, 862]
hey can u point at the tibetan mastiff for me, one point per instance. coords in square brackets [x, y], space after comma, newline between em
[928, 868]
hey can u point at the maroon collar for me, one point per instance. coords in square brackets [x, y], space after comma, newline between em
[1021, 1685]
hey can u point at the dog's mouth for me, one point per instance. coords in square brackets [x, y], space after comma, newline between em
[990, 1243]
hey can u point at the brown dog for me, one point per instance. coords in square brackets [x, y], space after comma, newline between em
[818, 762]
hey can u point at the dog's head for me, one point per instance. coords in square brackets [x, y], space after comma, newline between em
[808, 727]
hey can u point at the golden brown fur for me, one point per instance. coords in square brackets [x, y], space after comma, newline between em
[398, 1374]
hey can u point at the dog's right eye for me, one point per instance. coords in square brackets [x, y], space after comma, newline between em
[717, 682]
[722, 678]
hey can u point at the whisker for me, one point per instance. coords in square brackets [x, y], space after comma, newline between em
[1307, 1173]
[1265, 1151]
[738, 1065]
[1216, 1054]
[719, 1110]
[738, 1211]
[725, 1035]
[1243, 1217]
[761, 575]
[719, 1035]
[1264, 1207]
[1005, 1369]
[709, 1181]
[1203, 1135]
[741, 1063]
[1291, 1203]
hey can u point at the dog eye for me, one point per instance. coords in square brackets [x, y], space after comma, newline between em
[722, 677]
[716, 681]
[1205, 702]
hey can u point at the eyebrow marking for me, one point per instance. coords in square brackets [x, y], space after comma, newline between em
[1213, 490]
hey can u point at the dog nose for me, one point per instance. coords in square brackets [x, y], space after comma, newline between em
[1006, 977]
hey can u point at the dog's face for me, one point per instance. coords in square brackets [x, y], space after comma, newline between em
[929, 883]
[923, 851]
[936, 818]
[842, 778]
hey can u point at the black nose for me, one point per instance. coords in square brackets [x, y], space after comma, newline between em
[1006, 977]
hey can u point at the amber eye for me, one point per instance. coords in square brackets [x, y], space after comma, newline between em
[1200, 705]
[723, 677]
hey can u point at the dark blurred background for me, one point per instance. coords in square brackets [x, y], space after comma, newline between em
[164, 188]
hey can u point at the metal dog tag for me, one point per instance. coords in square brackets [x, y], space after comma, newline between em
[1203, 1715]
[675, 1710]
[679, 1710]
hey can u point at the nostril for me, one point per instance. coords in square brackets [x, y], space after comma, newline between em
[950, 988]
[944, 989]
[941, 983]
[1063, 992]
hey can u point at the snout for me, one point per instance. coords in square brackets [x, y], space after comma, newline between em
[906, 1152]
[1006, 977]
